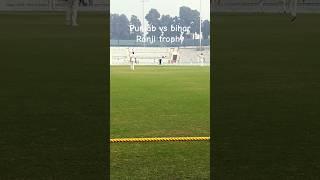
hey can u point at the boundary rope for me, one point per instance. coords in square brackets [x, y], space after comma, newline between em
[159, 139]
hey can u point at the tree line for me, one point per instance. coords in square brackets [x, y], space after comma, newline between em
[187, 18]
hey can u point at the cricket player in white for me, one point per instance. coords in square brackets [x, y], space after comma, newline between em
[201, 59]
[72, 12]
[132, 59]
[293, 9]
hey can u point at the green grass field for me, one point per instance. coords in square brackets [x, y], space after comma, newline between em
[160, 101]
[53, 102]
[266, 97]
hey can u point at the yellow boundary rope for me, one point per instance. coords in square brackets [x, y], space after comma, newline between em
[159, 139]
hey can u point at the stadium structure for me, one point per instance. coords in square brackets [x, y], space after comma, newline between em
[48, 5]
[266, 6]
[188, 52]
[194, 50]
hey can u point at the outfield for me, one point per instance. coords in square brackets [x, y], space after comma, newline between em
[160, 101]
[266, 96]
[53, 92]
[53, 96]
[265, 123]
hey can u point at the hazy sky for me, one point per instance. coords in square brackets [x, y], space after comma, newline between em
[171, 7]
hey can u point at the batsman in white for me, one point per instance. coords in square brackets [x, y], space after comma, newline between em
[293, 9]
[72, 12]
